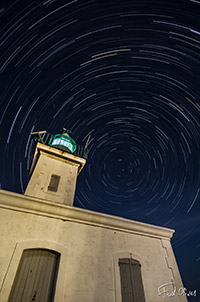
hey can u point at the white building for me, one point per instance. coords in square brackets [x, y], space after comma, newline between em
[52, 251]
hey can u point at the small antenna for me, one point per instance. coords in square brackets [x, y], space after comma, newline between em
[67, 130]
[87, 142]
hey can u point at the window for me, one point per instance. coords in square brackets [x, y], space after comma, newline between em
[54, 182]
[63, 142]
[131, 280]
[36, 276]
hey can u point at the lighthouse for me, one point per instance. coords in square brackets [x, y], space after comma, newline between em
[54, 251]
[56, 164]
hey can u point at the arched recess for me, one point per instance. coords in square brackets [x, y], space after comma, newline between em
[36, 276]
[54, 248]
[128, 267]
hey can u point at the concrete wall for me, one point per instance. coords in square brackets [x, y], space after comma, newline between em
[90, 245]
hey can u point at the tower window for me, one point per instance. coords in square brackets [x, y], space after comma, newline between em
[131, 280]
[54, 182]
[36, 276]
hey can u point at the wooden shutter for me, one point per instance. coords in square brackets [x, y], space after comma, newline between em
[36, 276]
[131, 280]
[54, 182]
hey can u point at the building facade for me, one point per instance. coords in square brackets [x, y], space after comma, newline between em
[52, 251]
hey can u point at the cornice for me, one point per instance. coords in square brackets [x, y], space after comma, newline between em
[26, 204]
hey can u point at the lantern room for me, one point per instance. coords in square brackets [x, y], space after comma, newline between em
[63, 142]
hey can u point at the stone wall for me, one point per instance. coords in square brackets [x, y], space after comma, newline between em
[90, 245]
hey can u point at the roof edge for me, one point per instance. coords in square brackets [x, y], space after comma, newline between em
[24, 203]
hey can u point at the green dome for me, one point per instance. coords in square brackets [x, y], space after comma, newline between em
[63, 142]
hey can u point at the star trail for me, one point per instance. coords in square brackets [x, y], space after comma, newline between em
[124, 77]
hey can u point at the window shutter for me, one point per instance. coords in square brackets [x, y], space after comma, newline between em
[54, 182]
[36, 276]
[131, 280]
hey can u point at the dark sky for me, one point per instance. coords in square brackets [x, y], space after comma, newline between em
[128, 74]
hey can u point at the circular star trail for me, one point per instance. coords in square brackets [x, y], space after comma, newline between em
[126, 76]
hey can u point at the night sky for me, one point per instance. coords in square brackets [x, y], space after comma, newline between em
[127, 74]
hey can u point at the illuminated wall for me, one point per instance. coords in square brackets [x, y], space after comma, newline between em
[90, 246]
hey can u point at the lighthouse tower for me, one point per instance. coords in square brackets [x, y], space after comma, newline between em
[57, 162]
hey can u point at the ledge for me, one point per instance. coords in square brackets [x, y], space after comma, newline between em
[26, 204]
[64, 155]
